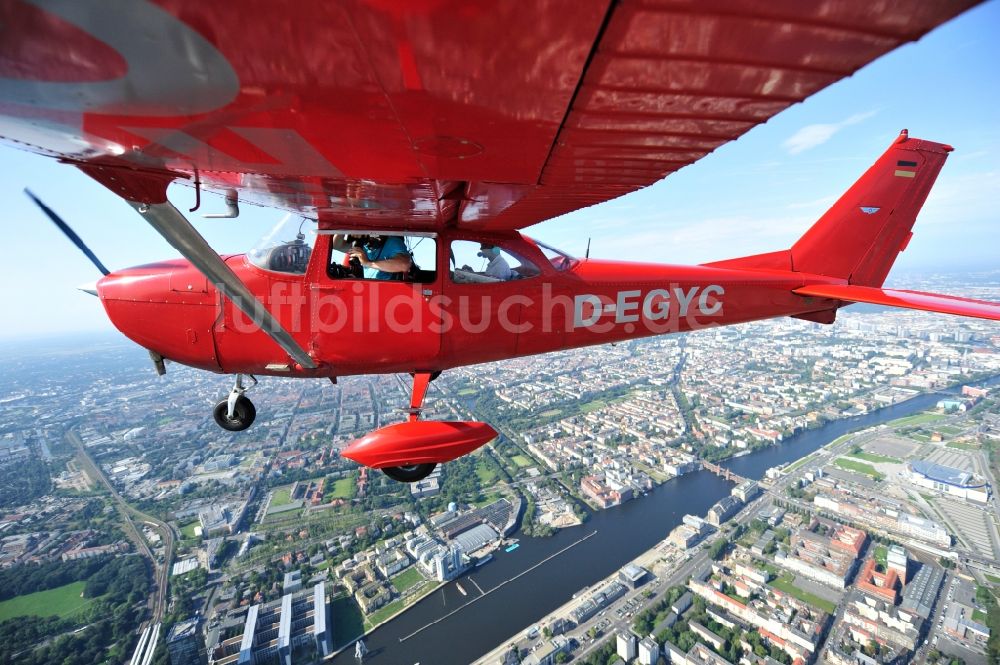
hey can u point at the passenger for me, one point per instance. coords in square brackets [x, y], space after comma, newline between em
[497, 268]
[387, 255]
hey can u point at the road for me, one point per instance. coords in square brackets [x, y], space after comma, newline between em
[129, 514]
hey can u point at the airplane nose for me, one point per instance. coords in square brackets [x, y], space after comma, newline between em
[90, 287]
[154, 306]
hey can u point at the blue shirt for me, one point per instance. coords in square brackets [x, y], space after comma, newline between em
[393, 246]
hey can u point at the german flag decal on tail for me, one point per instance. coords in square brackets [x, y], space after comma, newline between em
[905, 169]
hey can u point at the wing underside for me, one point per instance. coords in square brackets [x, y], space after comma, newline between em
[423, 115]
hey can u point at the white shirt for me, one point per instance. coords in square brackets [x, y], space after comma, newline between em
[498, 269]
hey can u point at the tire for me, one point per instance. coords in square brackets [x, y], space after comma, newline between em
[244, 414]
[409, 474]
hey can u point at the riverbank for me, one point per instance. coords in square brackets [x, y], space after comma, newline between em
[624, 532]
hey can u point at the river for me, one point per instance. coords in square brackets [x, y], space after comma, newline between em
[622, 533]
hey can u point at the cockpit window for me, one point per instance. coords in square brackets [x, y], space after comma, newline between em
[286, 248]
[382, 256]
[560, 260]
[483, 263]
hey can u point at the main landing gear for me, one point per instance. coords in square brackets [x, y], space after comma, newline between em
[413, 473]
[237, 412]
[409, 451]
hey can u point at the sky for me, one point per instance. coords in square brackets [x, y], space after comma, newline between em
[756, 194]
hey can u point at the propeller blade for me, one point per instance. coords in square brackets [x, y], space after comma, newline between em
[69, 233]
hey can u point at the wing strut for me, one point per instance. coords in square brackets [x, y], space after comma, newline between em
[145, 189]
[178, 231]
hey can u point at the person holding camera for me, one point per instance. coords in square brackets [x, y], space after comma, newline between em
[386, 255]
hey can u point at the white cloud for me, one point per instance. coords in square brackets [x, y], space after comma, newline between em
[811, 136]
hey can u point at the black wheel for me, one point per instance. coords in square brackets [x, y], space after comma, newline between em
[243, 414]
[409, 474]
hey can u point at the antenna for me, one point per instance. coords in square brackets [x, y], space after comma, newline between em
[587, 254]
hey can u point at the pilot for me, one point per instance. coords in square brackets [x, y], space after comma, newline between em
[497, 268]
[387, 255]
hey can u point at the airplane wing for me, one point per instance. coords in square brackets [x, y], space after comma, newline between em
[419, 115]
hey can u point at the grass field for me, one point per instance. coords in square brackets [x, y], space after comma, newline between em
[466, 392]
[962, 446]
[348, 622]
[993, 578]
[406, 579]
[187, 531]
[522, 461]
[596, 405]
[786, 583]
[487, 476]
[383, 613]
[62, 601]
[797, 464]
[858, 467]
[290, 515]
[881, 555]
[839, 439]
[487, 499]
[549, 413]
[979, 616]
[872, 457]
[917, 419]
[282, 496]
[342, 489]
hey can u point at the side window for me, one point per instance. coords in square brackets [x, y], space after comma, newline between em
[397, 258]
[481, 263]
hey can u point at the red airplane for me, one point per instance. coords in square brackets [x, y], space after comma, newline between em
[419, 149]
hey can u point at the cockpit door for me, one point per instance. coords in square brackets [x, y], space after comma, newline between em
[372, 325]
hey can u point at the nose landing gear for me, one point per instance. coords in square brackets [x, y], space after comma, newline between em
[236, 413]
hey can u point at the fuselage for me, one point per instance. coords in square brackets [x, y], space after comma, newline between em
[363, 326]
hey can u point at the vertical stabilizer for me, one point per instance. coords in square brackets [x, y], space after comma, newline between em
[859, 238]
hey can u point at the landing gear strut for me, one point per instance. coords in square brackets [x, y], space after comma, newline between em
[237, 412]
[409, 451]
[414, 472]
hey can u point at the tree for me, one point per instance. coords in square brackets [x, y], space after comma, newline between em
[718, 548]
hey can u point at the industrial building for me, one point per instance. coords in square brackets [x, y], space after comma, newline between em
[746, 490]
[597, 601]
[725, 508]
[948, 480]
[273, 631]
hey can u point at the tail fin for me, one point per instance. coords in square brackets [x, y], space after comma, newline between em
[859, 238]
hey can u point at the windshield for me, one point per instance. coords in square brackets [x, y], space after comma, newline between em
[286, 248]
[560, 260]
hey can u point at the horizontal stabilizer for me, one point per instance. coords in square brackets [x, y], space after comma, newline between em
[928, 302]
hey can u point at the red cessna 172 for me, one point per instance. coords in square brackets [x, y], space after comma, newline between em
[413, 141]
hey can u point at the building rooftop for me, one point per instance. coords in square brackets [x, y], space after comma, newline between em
[919, 593]
[942, 473]
[476, 537]
[183, 629]
[319, 608]
[633, 572]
